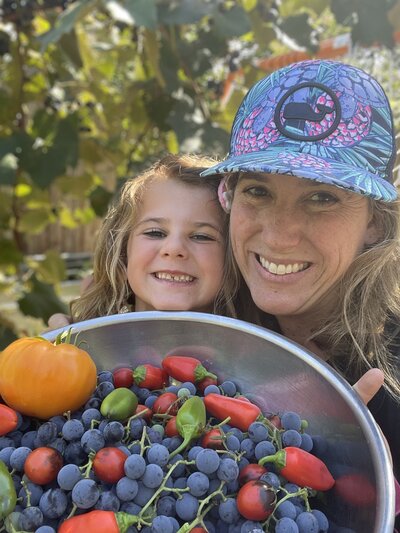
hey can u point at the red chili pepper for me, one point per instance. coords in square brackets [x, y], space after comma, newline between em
[99, 522]
[150, 377]
[185, 368]
[241, 413]
[8, 419]
[301, 467]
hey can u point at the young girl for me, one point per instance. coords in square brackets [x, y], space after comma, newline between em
[161, 247]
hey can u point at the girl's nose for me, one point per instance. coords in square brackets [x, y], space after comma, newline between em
[174, 246]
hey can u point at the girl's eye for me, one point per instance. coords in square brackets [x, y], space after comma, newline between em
[154, 233]
[202, 237]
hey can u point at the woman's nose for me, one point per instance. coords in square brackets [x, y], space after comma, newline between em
[283, 228]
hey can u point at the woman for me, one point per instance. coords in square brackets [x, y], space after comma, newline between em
[314, 221]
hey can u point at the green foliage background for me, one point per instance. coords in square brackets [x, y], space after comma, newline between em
[92, 85]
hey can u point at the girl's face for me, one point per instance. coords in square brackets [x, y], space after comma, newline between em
[294, 239]
[176, 248]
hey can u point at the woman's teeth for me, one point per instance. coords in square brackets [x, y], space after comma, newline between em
[282, 270]
[181, 278]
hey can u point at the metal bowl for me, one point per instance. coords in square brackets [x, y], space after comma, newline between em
[278, 375]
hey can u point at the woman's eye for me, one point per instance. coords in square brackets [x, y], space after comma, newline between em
[256, 190]
[324, 198]
[155, 233]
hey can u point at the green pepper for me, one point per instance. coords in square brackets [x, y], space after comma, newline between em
[120, 404]
[8, 495]
[190, 421]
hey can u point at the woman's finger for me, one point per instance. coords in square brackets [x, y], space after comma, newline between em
[58, 320]
[369, 384]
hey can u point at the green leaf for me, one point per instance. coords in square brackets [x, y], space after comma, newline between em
[10, 255]
[143, 12]
[42, 301]
[231, 23]
[69, 44]
[183, 12]
[66, 21]
[8, 169]
[100, 199]
[52, 270]
[35, 221]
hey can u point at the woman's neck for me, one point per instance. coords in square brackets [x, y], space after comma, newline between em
[300, 329]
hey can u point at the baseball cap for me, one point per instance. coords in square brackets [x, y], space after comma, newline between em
[317, 119]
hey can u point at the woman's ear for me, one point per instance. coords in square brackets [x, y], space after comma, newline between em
[374, 232]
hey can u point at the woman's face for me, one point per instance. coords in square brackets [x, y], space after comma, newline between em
[293, 239]
[176, 248]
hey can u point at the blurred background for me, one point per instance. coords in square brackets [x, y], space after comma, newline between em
[93, 91]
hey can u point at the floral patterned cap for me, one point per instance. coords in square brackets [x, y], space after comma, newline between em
[317, 119]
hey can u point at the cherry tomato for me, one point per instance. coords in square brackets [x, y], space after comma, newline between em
[198, 530]
[170, 428]
[201, 385]
[256, 500]
[166, 403]
[123, 377]
[213, 439]
[42, 465]
[145, 412]
[108, 464]
[251, 472]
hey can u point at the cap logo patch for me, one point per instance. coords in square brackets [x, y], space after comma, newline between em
[299, 107]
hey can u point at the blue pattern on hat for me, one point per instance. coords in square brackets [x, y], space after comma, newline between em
[317, 119]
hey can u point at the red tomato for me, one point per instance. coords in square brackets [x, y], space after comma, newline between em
[170, 428]
[201, 385]
[166, 403]
[251, 472]
[42, 465]
[123, 377]
[213, 439]
[145, 412]
[256, 500]
[198, 530]
[108, 464]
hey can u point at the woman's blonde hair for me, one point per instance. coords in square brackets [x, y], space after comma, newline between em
[362, 331]
[109, 292]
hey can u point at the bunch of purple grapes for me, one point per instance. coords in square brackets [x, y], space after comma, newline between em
[196, 488]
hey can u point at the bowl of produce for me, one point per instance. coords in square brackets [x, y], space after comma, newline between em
[189, 422]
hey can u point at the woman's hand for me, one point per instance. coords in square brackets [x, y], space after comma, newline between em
[369, 384]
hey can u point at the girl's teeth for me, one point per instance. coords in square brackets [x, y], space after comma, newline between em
[182, 278]
[280, 269]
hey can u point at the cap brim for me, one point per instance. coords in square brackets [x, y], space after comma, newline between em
[310, 167]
